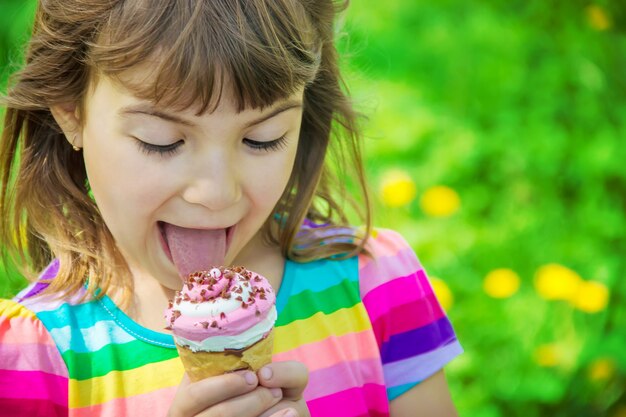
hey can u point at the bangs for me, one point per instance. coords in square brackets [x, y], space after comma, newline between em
[264, 51]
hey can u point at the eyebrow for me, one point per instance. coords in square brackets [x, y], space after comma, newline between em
[148, 110]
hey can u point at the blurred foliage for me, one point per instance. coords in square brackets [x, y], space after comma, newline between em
[495, 145]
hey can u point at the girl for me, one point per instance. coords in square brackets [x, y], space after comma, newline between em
[146, 139]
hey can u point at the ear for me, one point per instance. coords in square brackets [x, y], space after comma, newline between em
[66, 116]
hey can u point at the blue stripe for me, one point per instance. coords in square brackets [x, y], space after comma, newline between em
[82, 315]
[91, 339]
[315, 276]
[395, 392]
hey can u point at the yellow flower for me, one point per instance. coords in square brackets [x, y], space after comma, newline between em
[601, 369]
[501, 283]
[591, 297]
[443, 293]
[556, 282]
[547, 355]
[397, 188]
[440, 201]
[598, 18]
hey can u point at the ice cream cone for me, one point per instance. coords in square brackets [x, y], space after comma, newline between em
[200, 365]
[222, 321]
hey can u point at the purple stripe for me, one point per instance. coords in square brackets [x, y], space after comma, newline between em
[418, 341]
[32, 357]
[311, 224]
[48, 274]
[418, 368]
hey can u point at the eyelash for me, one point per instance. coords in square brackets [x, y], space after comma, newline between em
[272, 145]
[162, 150]
[171, 149]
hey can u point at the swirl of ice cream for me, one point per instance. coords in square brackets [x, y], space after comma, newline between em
[222, 309]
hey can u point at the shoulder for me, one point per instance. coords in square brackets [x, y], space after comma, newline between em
[414, 336]
[388, 257]
[30, 360]
[24, 336]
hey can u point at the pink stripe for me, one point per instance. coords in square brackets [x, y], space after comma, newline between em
[373, 273]
[17, 407]
[380, 300]
[32, 357]
[155, 403]
[386, 243]
[343, 376]
[24, 330]
[352, 402]
[408, 317]
[332, 350]
[33, 385]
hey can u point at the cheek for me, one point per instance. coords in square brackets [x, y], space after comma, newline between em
[268, 182]
[121, 182]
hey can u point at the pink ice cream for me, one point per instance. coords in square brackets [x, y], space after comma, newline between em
[222, 308]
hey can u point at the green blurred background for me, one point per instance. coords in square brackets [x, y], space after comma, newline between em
[495, 145]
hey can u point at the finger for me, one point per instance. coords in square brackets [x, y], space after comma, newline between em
[286, 412]
[288, 408]
[251, 404]
[194, 397]
[291, 376]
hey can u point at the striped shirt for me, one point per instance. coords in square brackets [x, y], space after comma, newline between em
[367, 328]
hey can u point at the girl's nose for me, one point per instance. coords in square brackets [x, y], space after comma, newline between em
[214, 185]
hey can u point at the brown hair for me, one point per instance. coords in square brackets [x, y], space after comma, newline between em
[267, 49]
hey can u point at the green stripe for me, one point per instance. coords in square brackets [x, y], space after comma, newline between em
[303, 305]
[114, 357]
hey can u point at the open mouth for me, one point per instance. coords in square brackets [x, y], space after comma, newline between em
[180, 242]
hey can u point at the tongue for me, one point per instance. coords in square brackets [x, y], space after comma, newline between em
[194, 249]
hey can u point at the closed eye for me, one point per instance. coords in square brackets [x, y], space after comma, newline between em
[268, 146]
[163, 150]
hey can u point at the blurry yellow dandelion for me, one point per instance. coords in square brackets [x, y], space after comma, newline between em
[547, 355]
[397, 188]
[591, 297]
[440, 201]
[443, 293]
[501, 283]
[597, 17]
[601, 369]
[556, 282]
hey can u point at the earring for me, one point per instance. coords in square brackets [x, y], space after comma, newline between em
[76, 148]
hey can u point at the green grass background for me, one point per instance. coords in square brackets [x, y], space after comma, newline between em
[520, 107]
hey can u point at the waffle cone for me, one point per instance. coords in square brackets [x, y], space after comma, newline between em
[200, 365]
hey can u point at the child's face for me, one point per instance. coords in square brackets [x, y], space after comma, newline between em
[153, 167]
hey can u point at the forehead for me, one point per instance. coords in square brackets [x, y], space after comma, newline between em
[141, 84]
[253, 56]
[113, 94]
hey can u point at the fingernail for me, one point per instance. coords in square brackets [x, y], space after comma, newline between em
[250, 378]
[290, 413]
[276, 392]
[266, 373]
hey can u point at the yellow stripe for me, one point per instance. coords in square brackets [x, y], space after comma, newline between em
[11, 310]
[320, 326]
[121, 384]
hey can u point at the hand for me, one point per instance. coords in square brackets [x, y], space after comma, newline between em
[237, 394]
[291, 377]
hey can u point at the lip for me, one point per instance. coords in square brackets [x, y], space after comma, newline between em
[230, 231]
